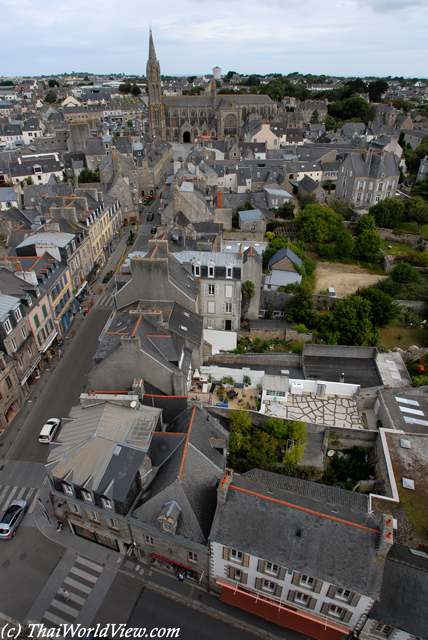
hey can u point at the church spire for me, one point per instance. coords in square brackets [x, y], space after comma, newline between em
[152, 52]
[154, 91]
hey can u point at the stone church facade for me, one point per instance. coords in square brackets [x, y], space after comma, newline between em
[188, 118]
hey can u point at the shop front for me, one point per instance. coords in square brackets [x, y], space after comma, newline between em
[99, 538]
[173, 566]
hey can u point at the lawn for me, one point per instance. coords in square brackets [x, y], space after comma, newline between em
[412, 227]
[395, 248]
[397, 335]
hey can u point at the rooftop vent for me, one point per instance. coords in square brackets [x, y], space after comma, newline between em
[117, 450]
[405, 444]
[408, 483]
[298, 533]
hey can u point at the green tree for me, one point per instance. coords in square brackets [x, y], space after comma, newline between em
[125, 87]
[349, 323]
[421, 188]
[86, 175]
[315, 117]
[240, 421]
[367, 222]
[317, 224]
[248, 291]
[417, 211]
[404, 272]
[253, 81]
[53, 83]
[376, 89]
[300, 309]
[50, 97]
[382, 308]
[229, 75]
[345, 243]
[367, 245]
[135, 90]
[330, 123]
[388, 213]
[260, 450]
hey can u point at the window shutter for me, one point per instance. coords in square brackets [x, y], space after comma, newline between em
[281, 573]
[325, 608]
[216, 290]
[226, 553]
[203, 307]
[331, 591]
[312, 603]
[291, 595]
[230, 572]
[223, 306]
[258, 583]
[244, 578]
[355, 598]
[318, 586]
[347, 616]
[296, 578]
[278, 591]
[261, 566]
[204, 289]
[234, 308]
[246, 560]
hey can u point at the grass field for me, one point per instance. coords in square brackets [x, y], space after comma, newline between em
[394, 248]
[412, 227]
[397, 335]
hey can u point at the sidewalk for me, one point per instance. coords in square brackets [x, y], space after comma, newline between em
[187, 593]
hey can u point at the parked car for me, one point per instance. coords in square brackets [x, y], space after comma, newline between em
[49, 429]
[150, 216]
[11, 518]
[153, 230]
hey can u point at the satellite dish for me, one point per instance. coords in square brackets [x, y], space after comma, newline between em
[133, 404]
[330, 453]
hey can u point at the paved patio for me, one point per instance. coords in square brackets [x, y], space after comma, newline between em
[332, 410]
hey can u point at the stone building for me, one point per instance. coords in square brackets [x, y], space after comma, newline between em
[186, 118]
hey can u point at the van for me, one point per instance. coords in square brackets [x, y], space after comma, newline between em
[48, 430]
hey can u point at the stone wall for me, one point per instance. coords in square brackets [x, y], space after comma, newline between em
[249, 359]
[406, 238]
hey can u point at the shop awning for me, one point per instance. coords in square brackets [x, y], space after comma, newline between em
[183, 566]
[79, 291]
[49, 342]
[30, 371]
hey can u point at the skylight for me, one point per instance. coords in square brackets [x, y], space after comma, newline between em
[408, 483]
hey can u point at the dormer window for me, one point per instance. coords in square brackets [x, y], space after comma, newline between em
[107, 504]
[229, 272]
[197, 270]
[87, 496]
[18, 314]
[67, 489]
[7, 326]
[211, 271]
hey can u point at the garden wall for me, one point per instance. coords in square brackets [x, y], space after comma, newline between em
[248, 359]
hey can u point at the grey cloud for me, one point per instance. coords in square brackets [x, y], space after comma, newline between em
[383, 6]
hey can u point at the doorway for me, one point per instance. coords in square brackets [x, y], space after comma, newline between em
[186, 136]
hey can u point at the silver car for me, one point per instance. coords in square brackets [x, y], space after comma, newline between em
[11, 518]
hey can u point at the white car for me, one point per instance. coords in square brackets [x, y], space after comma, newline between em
[49, 429]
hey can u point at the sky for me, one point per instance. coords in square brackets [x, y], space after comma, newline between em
[332, 37]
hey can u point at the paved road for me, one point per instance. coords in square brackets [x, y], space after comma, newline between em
[63, 389]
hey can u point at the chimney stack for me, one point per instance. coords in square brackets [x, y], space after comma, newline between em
[223, 487]
[386, 539]
[219, 199]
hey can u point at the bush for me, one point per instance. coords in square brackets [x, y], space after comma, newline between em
[297, 348]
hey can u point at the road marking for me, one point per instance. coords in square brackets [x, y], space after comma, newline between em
[89, 564]
[78, 585]
[84, 575]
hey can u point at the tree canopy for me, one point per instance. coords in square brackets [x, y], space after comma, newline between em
[317, 224]
[388, 213]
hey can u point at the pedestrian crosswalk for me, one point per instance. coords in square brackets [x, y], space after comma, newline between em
[10, 493]
[72, 593]
[106, 300]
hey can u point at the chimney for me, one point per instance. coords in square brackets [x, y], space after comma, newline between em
[386, 539]
[223, 487]
[17, 265]
[219, 199]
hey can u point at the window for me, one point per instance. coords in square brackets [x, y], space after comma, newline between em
[149, 540]
[236, 555]
[67, 489]
[369, 197]
[21, 364]
[358, 198]
[87, 496]
[380, 186]
[192, 556]
[228, 307]
[112, 523]
[229, 272]
[45, 313]
[7, 326]
[211, 289]
[303, 598]
[9, 382]
[253, 226]
[94, 516]
[267, 585]
[383, 629]
[343, 594]
[360, 184]
[36, 321]
[74, 508]
[307, 581]
[377, 198]
[13, 343]
[211, 272]
[23, 332]
[30, 351]
[211, 307]
[167, 526]
[336, 611]
[197, 270]
[272, 568]
[18, 314]
[107, 504]
[229, 291]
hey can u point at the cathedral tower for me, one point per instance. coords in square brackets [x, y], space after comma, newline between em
[156, 110]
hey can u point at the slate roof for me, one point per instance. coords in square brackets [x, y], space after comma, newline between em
[308, 185]
[8, 194]
[285, 252]
[189, 475]
[338, 546]
[402, 601]
[249, 216]
[95, 147]
[88, 442]
[182, 317]
[373, 165]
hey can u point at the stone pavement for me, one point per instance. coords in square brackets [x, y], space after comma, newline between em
[333, 410]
